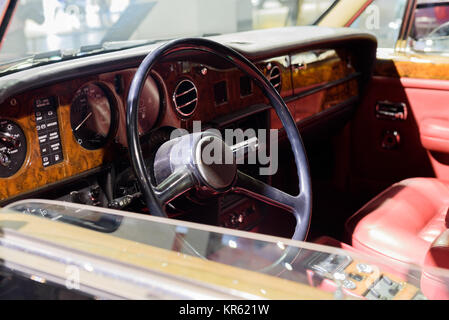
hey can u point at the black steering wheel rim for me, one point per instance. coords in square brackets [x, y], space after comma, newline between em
[301, 205]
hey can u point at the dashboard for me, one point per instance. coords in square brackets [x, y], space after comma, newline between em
[65, 121]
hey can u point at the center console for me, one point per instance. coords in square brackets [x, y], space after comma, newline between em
[357, 278]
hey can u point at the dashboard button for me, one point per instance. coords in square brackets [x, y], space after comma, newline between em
[349, 284]
[50, 114]
[364, 268]
[57, 158]
[55, 147]
[339, 276]
[46, 161]
[356, 277]
[41, 127]
[53, 135]
[43, 138]
[52, 124]
[387, 280]
[45, 150]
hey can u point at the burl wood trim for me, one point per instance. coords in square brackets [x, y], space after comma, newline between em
[407, 292]
[312, 105]
[332, 69]
[429, 67]
[317, 74]
[33, 175]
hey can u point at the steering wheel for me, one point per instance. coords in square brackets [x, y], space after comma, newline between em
[176, 176]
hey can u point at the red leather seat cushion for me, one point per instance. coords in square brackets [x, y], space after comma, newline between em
[435, 283]
[403, 221]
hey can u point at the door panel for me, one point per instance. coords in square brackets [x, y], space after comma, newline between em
[375, 167]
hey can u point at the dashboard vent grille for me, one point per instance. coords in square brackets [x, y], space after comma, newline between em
[275, 78]
[185, 98]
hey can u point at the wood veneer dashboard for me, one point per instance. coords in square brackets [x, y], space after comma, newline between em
[312, 82]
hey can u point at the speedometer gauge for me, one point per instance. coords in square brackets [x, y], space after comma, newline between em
[92, 116]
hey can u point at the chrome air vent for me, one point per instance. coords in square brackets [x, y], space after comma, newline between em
[185, 98]
[275, 78]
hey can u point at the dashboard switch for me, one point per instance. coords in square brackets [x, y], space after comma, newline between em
[356, 277]
[349, 284]
[364, 268]
[387, 280]
[375, 293]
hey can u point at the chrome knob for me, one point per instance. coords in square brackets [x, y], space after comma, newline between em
[4, 159]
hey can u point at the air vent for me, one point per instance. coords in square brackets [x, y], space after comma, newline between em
[185, 98]
[275, 78]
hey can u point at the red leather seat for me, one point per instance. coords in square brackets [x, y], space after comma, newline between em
[403, 221]
[435, 283]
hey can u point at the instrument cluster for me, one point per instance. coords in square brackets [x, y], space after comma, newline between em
[95, 114]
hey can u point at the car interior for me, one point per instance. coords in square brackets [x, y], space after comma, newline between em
[68, 126]
[370, 161]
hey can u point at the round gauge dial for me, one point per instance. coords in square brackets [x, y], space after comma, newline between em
[91, 117]
[13, 148]
[149, 106]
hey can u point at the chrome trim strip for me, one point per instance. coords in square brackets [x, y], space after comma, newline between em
[175, 96]
[319, 88]
[186, 104]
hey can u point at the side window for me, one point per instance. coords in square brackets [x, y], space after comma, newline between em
[383, 18]
[430, 33]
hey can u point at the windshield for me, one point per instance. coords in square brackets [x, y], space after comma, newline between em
[241, 264]
[41, 26]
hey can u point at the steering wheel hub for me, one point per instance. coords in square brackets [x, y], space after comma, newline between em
[204, 155]
[215, 163]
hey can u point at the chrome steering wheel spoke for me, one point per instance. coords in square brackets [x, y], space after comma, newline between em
[259, 190]
[174, 186]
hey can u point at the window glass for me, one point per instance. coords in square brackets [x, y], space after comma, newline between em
[384, 19]
[279, 13]
[3, 4]
[49, 26]
[430, 31]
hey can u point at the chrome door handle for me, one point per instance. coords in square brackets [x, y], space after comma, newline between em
[387, 110]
